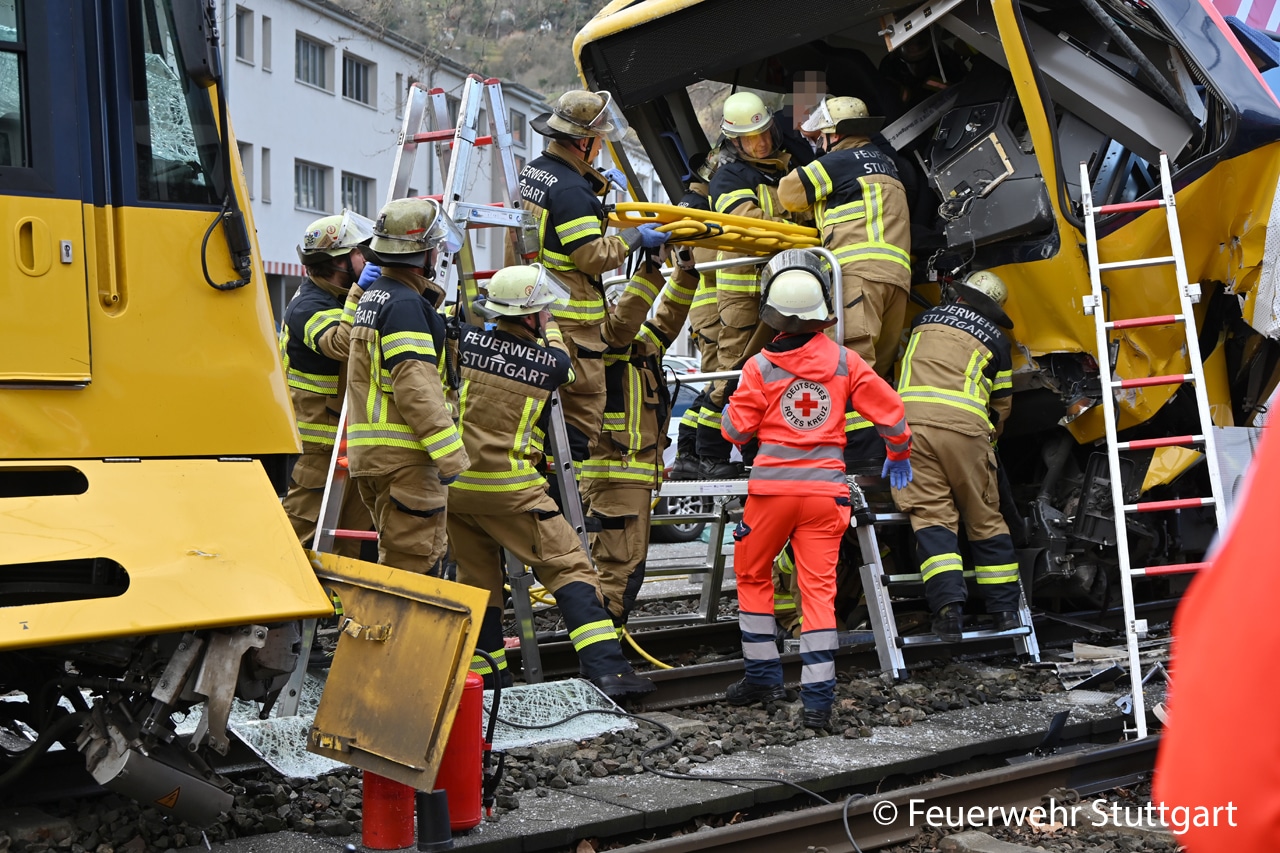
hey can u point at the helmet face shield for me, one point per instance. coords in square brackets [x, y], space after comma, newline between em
[354, 230]
[548, 291]
[444, 233]
[610, 117]
[819, 120]
[518, 291]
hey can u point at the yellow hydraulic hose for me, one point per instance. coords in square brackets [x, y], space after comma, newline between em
[650, 658]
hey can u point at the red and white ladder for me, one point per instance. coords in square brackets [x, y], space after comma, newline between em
[1095, 304]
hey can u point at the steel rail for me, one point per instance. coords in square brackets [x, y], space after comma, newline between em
[874, 826]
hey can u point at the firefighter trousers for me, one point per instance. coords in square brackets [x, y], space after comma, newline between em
[408, 508]
[814, 524]
[306, 493]
[955, 480]
[542, 539]
[620, 547]
[874, 314]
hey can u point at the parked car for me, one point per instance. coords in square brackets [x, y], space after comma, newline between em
[682, 396]
[682, 364]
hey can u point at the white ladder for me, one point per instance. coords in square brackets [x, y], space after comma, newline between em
[1188, 294]
[876, 583]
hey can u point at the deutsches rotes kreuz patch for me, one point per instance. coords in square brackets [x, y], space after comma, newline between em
[806, 405]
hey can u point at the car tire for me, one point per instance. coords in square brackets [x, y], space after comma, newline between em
[683, 505]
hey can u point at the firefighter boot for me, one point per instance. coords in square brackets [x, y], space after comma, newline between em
[817, 718]
[948, 622]
[684, 468]
[743, 692]
[595, 639]
[1006, 620]
[491, 641]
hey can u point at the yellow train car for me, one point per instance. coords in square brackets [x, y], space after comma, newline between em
[990, 109]
[146, 566]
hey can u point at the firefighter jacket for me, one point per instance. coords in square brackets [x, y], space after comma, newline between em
[313, 344]
[859, 206]
[637, 400]
[957, 373]
[397, 414]
[562, 192]
[507, 378]
[792, 396]
[743, 188]
[704, 319]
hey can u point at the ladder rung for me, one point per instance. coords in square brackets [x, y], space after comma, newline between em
[1171, 569]
[1148, 443]
[339, 533]
[1145, 381]
[1128, 206]
[1160, 506]
[1137, 263]
[446, 134]
[1139, 322]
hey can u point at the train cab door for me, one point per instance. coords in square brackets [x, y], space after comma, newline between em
[44, 306]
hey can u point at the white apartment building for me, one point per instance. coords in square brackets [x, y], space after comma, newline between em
[316, 98]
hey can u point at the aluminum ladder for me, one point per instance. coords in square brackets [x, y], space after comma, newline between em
[1188, 295]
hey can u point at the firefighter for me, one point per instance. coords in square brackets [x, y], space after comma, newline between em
[704, 325]
[314, 343]
[402, 444]
[860, 207]
[625, 469]
[752, 161]
[957, 389]
[502, 501]
[791, 397]
[563, 190]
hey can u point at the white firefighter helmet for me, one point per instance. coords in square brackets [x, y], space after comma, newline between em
[797, 292]
[986, 293]
[517, 291]
[408, 228]
[745, 114]
[844, 115]
[333, 236]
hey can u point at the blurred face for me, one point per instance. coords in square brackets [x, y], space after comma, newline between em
[357, 262]
[757, 145]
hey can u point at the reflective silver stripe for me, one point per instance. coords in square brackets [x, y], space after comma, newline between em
[805, 475]
[770, 372]
[781, 451]
[737, 435]
[897, 429]
[842, 368]
[756, 623]
[812, 673]
[760, 651]
[818, 641]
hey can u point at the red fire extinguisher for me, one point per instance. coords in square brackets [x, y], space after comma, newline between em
[460, 773]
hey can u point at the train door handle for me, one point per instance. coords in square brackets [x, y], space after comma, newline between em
[34, 252]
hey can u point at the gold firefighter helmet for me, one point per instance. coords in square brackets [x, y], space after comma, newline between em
[333, 237]
[580, 114]
[517, 291]
[986, 293]
[844, 115]
[408, 228]
[745, 114]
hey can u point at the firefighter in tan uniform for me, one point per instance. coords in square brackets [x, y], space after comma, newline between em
[563, 190]
[625, 469]
[314, 343]
[402, 444]
[752, 161]
[502, 501]
[956, 385]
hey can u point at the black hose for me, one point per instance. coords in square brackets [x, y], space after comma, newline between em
[48, 737]
[1166, 90]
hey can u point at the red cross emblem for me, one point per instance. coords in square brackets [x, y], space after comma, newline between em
[805, 405]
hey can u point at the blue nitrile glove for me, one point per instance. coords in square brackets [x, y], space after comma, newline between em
[617, 177]
[651, 237]
[446, 480]
[369, 275]
[898, 472]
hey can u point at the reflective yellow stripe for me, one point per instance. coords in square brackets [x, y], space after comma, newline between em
[592, 632]
[575, 229]
[815, 174]
[315, 382]
[635, 402]
[1007, 573]
[584, 311]
[399, 343]
[678, 293]
[319, 321]
[928, 394]
[854, 421]
[728, 200]
[445, 441]
[940, 563]
[480, 666]
[325, 434]
[1004, 381]
[643, 288]
[498, 481]
[730, 280]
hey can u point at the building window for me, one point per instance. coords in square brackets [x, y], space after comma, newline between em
[246, 163]
[311, 65]
[454, 105]
[519, 164]
[266, 175]
[400, 95]
[357, 79]
[517, 127]
[244, 34]
[266, 43]
[356, 192]
[309, 186]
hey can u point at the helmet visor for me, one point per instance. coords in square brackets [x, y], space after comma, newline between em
[610, 114]
[444, 233]
[818, 119]
[548, 291]
[354, 230]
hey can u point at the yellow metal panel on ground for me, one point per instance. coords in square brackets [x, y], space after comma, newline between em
[205, 543]
[399, 670]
